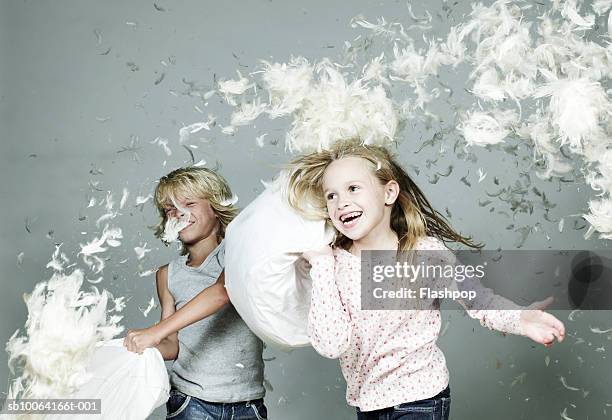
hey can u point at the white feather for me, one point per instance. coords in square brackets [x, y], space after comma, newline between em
[186, 132]
[232, 88]
[230, 130]
[376, 70]
[152, 305]
[287, 84]
[488, 87]
[338, 110]
[600, 217]
[124, 198]
[602, 6]
[172, 228]
[247, 112]
[230, 201]
[58, 259]
[141, 251]
[142, 199]
[481, 128]
[63, 327]
[576, 106]
[260, 139]
[570, 12]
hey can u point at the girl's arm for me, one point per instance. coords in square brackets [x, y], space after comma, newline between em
[329, 322]
[204, 304]
[530, 322]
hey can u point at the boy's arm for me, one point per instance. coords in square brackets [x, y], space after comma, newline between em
[206, 303]
[138, 340]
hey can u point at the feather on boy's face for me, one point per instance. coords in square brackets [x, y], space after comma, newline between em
[202, 219]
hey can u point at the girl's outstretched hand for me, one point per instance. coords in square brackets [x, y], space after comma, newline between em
[313, 253]
[541, 326]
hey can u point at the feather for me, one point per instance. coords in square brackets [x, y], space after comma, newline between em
[481, 129]
[597, 330]
[602, 6]
[164, 143]
[603, 181]
[336, 110]
[260, 139]
[576, 106]
[230, 201]
[186, 132]
[140, 200]
[287, 84]
[375, 70]
[63, 327]
[58, 259]
[381, 28]
[564, 415]
[151, 305]
[566, 386]
[488, 87]
[232, 88]
[570, 12]
[600, 218]
[124, 196]
[141, 251]
[248, 112]
[172, 228]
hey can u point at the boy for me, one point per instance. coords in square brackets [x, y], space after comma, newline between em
[218, 368]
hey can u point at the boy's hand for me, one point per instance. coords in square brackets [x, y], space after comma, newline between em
[541, 326]
[313, 253]
[138, 340]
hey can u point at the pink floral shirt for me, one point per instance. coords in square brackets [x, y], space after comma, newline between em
[388, 357]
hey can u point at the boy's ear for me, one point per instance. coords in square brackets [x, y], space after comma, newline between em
[392, 190]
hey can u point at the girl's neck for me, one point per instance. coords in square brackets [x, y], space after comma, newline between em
[383, 241]
[197, 253]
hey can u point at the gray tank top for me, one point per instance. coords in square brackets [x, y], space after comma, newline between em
[220, 359]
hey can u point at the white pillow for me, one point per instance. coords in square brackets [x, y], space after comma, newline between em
[130, 385]
[266, 278]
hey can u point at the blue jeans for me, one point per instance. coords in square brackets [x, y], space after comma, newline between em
[185, 407]
[434, 408]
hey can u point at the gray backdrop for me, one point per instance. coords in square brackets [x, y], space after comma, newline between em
[80, 80]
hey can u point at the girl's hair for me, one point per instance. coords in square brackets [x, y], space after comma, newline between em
[195, 182]
[412, 216]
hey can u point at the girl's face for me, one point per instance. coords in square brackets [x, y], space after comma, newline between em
[202, 219]
[356, 199]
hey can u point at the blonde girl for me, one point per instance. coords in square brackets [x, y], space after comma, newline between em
[390, 360]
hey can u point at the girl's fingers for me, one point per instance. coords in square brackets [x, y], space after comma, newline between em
[556, 325]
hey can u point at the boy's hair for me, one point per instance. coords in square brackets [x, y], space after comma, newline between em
[195, 182]
[412, 216]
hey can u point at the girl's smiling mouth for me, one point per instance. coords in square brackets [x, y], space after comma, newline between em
[350, 219]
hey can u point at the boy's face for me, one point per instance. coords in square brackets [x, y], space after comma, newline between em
[202, 219]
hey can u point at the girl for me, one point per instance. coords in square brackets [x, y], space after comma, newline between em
[218, 369]
[390, 360]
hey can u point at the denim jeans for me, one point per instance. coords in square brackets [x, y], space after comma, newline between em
[434, 408]
[185, 407]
